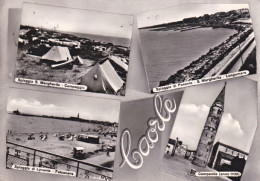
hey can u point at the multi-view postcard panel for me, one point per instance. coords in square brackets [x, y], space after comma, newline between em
[145, 126]
[196, 43]
[211, 126]
[74, 49]
[72, 136]
[213, 131]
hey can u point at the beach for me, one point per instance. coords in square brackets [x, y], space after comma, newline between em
[169, 51]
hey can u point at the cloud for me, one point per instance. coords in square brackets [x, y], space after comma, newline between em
[25, 103]
[190, 122]
[33, 107]
[94, 111]
[230, 124]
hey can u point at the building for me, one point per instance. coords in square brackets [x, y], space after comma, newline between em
[224, 154]
[88, 138]
[169, 149]
[227, 158]
[189, 155]
[176, 147]
[17, 112]
[209, 131]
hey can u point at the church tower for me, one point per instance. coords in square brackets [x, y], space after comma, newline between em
[209, 131]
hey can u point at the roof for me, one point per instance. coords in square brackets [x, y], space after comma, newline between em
[79, 148]
[92, 136]
[22, 40]
[171, 141]
[221, 96]
[245, 21]
[119, 62]
[58, 54]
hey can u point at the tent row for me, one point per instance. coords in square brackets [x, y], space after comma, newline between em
[102, 77]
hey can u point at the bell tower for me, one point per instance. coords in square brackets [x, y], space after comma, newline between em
[209, 131]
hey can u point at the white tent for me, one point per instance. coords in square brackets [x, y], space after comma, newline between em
[102, 78]
[58, 54]
[110, 77]
[93, 80]
[119, 62]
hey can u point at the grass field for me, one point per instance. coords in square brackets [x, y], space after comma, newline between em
[30, 66]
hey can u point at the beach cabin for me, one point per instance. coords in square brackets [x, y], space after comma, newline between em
[88, 138]
[79, 153]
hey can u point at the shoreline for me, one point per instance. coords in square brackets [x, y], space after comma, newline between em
[227, 63]
[199, 68]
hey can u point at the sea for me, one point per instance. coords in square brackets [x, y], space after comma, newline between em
[125, 42]
[166, 52]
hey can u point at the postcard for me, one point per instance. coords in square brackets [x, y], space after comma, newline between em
[73, 49]
[196, 43]
[213, 131]
[72, 136]
[144, 129]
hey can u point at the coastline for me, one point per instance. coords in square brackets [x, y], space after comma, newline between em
[231, 58]
[201, 67]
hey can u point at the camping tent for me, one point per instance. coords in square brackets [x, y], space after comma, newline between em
[78, 60]
[58, 54]
[93, 80]
[111, 78]
[102, 78]
[119, 62]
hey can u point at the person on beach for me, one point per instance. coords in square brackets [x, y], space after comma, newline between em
[108, 152]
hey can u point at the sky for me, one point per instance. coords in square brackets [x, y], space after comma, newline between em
[62, 105]
[77, 20]
[239, 120]
[178, 13]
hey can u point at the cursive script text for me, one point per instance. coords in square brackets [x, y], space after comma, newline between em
[163, 111]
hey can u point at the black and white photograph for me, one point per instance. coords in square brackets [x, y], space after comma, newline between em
[144, 130]
[213, 131]
[72, 136]
[73, 48]
[195, 41]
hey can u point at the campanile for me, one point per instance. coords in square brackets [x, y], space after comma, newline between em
[209, 131]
